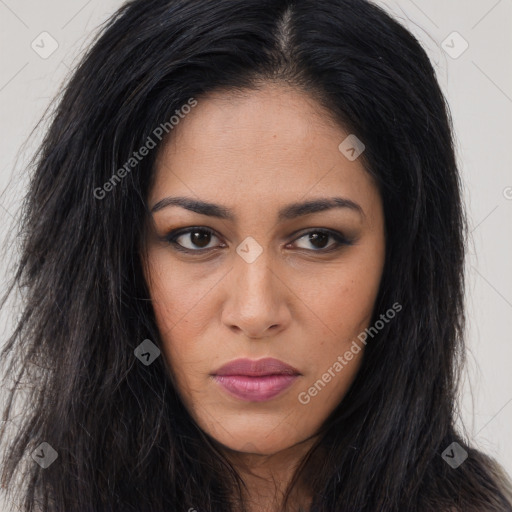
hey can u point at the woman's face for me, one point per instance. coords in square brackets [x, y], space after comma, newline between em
[269, 279]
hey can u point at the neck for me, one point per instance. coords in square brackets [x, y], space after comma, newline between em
[267, 477]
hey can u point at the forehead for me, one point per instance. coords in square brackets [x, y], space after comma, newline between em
[276, 144]
[271, 117]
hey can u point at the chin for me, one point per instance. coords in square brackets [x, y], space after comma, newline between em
[260, 443]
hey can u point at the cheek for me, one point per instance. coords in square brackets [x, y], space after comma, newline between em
[343, 303]
[334, 351]
[180, 302]
[343, 297]
[179, 292]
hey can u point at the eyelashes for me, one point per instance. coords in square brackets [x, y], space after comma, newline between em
[203, 235]
[173, 236]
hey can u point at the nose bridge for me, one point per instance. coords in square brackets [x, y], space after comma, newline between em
[255, 278]
[255, 303]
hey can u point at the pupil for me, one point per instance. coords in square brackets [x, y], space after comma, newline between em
[200, 238]
[314, 237]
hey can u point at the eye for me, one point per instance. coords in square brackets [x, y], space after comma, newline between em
[319, 240]
[197, 238]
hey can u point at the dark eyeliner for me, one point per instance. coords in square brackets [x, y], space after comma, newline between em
[340, 240]
[173, 235]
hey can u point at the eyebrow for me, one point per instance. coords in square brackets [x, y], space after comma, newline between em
[288, 212]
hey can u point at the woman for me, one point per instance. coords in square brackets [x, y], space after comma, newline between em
[242, 262]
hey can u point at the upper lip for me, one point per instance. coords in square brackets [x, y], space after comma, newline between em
[256, 368]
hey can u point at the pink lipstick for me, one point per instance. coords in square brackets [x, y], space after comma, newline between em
[255, 381]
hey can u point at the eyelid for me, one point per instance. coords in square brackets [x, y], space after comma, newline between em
[331, 232]
[339, 238]
[174, 234]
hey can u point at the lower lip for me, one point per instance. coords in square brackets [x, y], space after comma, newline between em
[255, 389]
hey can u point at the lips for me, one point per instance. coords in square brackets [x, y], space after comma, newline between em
[255, 381]
[258, 368]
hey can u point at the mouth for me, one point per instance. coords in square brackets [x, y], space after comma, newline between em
[255, 380]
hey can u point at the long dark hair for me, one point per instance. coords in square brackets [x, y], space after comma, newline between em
[124, 439]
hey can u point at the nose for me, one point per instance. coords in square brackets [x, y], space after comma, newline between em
[258, 300]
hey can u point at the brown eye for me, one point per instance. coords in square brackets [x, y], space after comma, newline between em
[192, 239]
[200, 238]
[319, 240]
[197, 240]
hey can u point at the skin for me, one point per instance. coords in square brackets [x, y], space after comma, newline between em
[255, 153]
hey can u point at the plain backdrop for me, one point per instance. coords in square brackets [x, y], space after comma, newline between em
[469, 43]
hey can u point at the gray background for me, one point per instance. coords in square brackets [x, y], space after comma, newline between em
[478, 85]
